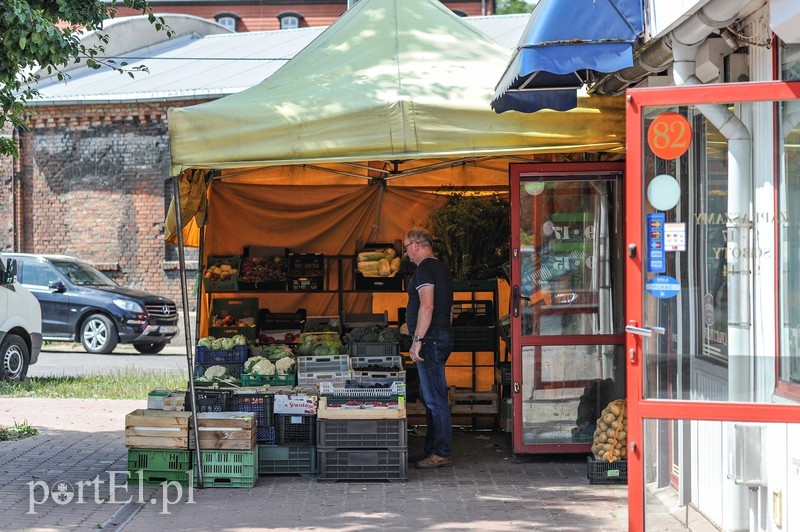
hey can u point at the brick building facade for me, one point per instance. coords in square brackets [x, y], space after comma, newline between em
[261, 15]
[100, 172]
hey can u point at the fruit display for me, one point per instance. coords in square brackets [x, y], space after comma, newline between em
[378, 263]
[263, 269]
[221, 271]
[611, 435]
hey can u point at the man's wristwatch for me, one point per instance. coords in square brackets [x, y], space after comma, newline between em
[416, 338]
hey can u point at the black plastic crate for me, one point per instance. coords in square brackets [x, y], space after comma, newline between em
[281, 321]
[295, 429]
[209, 399]
[306, 272]
[362, 434]
[604, 472]
[362, 464]
[287, 460]
[473, 313]
[262, 404]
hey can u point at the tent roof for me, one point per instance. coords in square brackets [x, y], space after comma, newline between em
[389, 80]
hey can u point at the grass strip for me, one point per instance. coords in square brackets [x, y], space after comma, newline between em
[118, 384]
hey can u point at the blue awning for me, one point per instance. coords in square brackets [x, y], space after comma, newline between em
[564, 43]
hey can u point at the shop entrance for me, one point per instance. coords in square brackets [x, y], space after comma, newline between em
[566, 298]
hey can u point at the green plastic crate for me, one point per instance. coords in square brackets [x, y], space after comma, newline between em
[273, 380]
[155, 466]
[228, 469]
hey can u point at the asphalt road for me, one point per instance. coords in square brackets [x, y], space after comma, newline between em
[71, 359]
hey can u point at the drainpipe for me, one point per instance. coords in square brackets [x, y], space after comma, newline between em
[685, 40]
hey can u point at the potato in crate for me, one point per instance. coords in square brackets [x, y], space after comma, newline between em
[222, 274]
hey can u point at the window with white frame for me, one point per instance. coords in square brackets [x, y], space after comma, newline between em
[229, 21]
[290, 22]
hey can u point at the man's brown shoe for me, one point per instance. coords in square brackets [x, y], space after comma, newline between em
[433, 461]
[417, 457]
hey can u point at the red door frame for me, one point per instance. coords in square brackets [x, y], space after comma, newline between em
[640, 409]
[558, 171]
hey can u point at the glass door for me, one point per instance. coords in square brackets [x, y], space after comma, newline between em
[566, 317]
[710, 427]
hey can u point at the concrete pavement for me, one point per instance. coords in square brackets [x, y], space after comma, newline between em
[488, 488]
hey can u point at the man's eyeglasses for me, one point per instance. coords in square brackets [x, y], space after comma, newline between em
[406, 246]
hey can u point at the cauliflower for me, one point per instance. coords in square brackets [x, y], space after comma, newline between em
[205, 341]
[284, 366]
[265, 368]
[216, 372]
[250, 362]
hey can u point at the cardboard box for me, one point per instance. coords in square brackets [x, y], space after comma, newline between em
[295, 404]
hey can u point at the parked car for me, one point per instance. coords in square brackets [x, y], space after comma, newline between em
[20, 326]
[81, 304]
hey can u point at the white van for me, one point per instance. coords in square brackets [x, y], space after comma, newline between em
[20, 326]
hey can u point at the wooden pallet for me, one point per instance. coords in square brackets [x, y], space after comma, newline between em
[469, 402]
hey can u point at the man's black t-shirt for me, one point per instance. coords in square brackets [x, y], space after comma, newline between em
[431, 271]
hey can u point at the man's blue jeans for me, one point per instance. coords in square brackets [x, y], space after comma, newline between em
[435, 351]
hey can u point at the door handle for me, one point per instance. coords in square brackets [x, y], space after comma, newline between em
[517, 297]
[647, 331]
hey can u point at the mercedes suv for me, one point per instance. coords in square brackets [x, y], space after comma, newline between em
[81, 304]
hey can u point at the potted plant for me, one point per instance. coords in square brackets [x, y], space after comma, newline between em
[474, 232]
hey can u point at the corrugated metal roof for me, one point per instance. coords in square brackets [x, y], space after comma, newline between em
[203, 66]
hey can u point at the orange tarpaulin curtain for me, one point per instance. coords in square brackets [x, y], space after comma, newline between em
[193, 186]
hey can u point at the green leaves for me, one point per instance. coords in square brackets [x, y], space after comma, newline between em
[30, 39]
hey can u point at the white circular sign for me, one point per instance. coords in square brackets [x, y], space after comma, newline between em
[663, 192]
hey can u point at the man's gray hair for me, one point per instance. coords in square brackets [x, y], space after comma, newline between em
[421, 236]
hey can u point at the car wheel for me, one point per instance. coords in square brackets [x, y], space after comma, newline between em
[151, 348]
[15, 357]
[98, 334]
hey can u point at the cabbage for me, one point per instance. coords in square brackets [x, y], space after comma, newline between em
[217, 344]
[228, 343]
[240, 339]
[275, 352]
[205, 341]
[250, 362]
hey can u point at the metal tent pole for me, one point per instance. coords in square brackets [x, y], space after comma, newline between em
[187, 328]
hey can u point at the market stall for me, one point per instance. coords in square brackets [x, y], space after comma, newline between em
[352, 142]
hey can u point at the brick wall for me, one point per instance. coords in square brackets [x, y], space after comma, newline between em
[93, 182]
[258, 15]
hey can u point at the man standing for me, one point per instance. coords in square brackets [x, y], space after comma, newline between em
[428, 315]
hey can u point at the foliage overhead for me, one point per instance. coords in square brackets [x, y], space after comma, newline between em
[30, 38]
[510, 7]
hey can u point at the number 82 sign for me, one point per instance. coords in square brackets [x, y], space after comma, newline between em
[669, 136]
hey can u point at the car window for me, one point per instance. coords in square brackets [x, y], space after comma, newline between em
[82, 274]
[35, 274]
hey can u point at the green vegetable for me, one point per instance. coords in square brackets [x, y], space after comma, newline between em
[205, 342]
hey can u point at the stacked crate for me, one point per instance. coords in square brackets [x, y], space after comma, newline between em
[314, 370]
[377, 371]
[359, 440]
[158, 446]
[293, 451]
[228, 448]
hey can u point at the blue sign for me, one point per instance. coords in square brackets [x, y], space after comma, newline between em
[656, 260]
[663, 286]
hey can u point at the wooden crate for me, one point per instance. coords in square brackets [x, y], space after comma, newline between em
[469, 402]
[323, 412]
[226, 430]
[157, 429]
